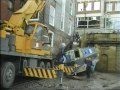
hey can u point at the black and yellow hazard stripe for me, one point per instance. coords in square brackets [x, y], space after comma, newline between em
[67, 69]
[56, 68]
[40, 73]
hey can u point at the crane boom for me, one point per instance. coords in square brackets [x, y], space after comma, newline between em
[23, 15]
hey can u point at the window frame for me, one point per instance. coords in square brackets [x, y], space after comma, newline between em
[87, 8]
[99, 5]
[52, 38]
[117, 6]
[80, 10]
[70, 27]
[52, 15]
[109, 5]
[86, 22]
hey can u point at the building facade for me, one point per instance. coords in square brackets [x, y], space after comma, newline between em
[97, 16]
[59, 16]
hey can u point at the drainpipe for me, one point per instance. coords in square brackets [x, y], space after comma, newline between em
[102, 14]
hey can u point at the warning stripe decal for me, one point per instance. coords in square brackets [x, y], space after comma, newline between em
[67, 69]
[40, 73]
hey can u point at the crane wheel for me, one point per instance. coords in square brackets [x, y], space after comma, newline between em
[7, 74]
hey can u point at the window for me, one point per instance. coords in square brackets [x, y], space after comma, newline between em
[94, 22]
[62, 23]
[52, 15]
[108, 7]
[51, 37]
[71, 7]
[117, 6]
[63, 14]
[40, 36]
[96, 5]
[113, 23]
[80, 7]
[88, 6]
[70, 27]
[81, 23]
[88, 22]
[38, 33]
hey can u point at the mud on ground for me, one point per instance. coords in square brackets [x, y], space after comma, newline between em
[98, 81]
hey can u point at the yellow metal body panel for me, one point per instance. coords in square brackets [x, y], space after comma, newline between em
[24, 45]
[28, 44]
[40, 52]
[19, 31]
[2, 33]
[20, 44]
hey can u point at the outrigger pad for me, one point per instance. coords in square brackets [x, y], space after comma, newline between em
[40, 73]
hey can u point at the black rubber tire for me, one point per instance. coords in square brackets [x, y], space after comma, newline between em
[48, 65]
[7, 74]
[42, 65]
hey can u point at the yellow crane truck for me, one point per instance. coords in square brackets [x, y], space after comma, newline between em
[24, 44]
[25, 47]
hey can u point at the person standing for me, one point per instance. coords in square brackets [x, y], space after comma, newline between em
[88, 62]
[62, 53]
